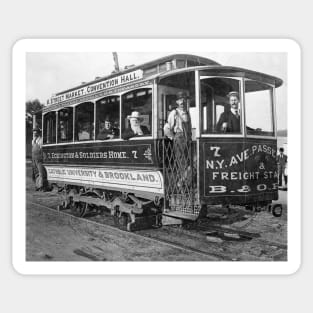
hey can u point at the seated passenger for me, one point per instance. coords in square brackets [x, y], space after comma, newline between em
[83, 133]
[135, 130]
[229, 121]
[116, 129]
[62, 131]
[106, 130]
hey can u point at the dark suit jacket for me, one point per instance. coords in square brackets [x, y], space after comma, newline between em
[104, 134]
[233, 123]
[129, 132]
[281, 161]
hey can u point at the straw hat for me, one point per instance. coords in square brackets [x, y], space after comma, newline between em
[136, 115]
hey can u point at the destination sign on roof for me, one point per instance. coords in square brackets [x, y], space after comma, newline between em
[93, 88]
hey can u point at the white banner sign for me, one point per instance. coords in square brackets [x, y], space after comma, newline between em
[151, 181]
[90, 89]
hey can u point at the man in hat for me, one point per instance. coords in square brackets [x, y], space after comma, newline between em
[106, 130]
[229, 121]
[282, 164]
[178, 129]
[179, 121]
[135, 129]
[39, 173]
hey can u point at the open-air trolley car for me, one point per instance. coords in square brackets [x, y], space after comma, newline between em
[139, 179]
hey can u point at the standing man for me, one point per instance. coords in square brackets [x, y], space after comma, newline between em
[39, 173]
[282, 163]
[229, 121]
[179, 120]
[179, 124]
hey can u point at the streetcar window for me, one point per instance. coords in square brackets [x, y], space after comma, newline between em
[139, 101]
[259, 108]
[194, 63]
[162, 67]
[191, 63]
[65, 125]
[180, 63]
[170, 86]
[84, 121]
[220, 105]
[49, 128]
[108, 118]
[151, 71]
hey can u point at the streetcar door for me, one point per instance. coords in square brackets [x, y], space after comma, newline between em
[178, 149]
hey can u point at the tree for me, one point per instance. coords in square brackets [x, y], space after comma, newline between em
[31, 108]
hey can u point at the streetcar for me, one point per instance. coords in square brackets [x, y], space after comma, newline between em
[140, 179]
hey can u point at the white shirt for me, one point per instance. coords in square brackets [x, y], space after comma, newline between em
[235, 112]
[37, 141]
[176, 119]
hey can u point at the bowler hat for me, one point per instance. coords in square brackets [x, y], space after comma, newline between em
[181, 94]
[233, 93]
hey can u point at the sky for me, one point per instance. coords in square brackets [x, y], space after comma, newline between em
[49, 73]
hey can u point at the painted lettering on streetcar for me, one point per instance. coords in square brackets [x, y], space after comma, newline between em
[238, 169]
[243, 189]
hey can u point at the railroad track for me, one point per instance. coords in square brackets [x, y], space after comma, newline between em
[211, 256]
[209, 250]
[241, 233]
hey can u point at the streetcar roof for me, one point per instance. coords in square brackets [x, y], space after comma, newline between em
[170, 65]
[186, 57]
[230, 71]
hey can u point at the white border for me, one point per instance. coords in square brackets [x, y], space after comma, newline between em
[156, 45]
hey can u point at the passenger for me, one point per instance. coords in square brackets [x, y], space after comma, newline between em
[83, 133]
[229, 121]
[106, 130]
[136, 129]
[116, 128]
[62, 131]
[178, 129]
[282, 164]
[179, 121]
[39, 172]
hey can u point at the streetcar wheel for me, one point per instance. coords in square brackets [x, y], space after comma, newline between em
[123, 220]
[55, 188]
[79, 209]
[69, 202]
[249, 207]
[277, 210]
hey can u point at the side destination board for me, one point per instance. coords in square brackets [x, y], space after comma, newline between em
[141, 180]
[120, 153]
[100, 89]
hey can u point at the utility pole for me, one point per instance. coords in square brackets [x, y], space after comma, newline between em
[116, 66]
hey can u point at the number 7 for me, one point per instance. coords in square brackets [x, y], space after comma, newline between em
[216, 150]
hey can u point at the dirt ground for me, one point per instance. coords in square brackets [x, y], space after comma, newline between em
[53, 237]
[50, 237]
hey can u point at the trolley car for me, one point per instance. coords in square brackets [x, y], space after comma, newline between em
[139, 179]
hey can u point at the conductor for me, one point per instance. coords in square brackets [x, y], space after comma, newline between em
[229, 121]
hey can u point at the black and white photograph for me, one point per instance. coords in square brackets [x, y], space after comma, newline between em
[156, 156]
[175, 156]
